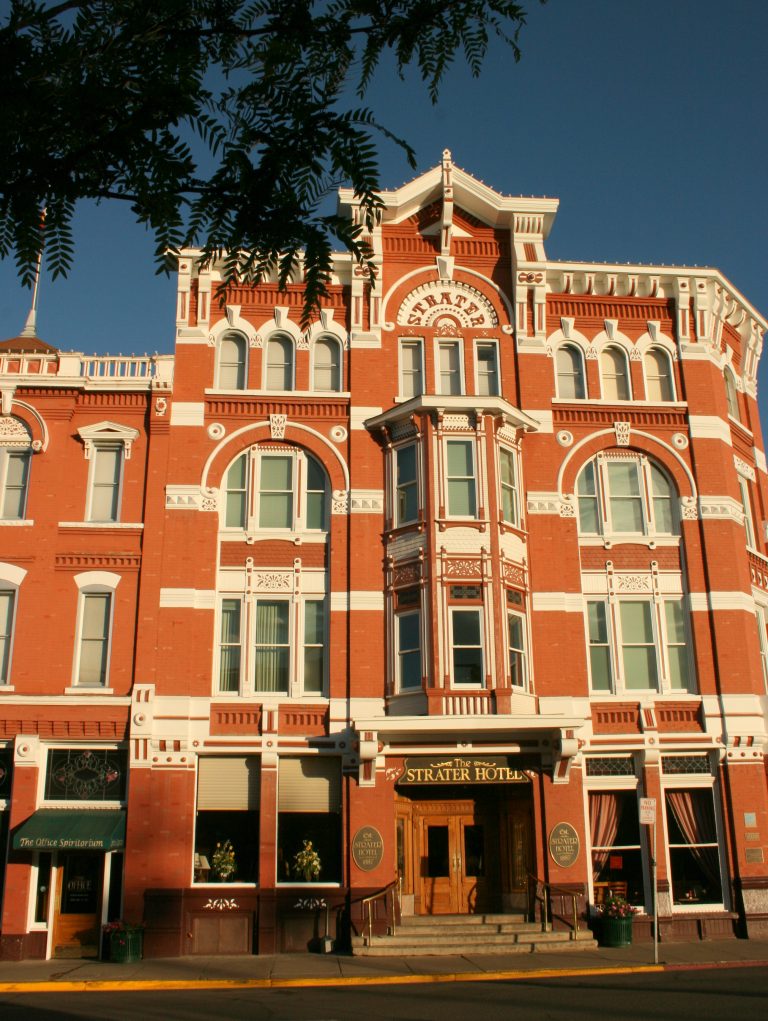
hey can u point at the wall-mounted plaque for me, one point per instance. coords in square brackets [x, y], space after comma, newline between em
[367, 848]
[564, 844]
[462, 769]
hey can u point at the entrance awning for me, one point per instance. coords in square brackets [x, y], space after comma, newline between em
[53, 829]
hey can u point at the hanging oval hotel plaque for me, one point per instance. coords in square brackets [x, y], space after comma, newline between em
[367, 848]
[564, 844]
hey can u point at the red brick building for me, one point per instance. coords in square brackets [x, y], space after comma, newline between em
[441, 586]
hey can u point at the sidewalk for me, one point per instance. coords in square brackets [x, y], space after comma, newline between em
[332, 969]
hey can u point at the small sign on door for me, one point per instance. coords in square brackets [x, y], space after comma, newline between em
[647, 811]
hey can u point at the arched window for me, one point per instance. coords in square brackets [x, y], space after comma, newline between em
[615, 373]
[658, 376]
[231, 373]
[276, 488]
[326, 372]
[279, 357]
[731, 396]
[569, 366]
[15, 451]
[626, 494]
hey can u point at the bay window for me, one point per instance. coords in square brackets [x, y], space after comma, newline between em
[518, 666]
[408, 650]
[467, 647]
[406, 485]
[460, 476]
[508, 479]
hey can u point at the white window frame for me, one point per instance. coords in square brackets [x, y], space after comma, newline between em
[646, 496]
[279, 335]
[457, 346]
[103, 436]
[620, 784]
[397, 521]
[514, 489]
[300, 479]
[660, 640]
[761, 613]
[582, 378]
[94, 583]
[417, 343]
[491, 345]
[746, 507]
[614, 348]
[695, 781]
[471, 442]
[296, 645]
[460, 685]
[242, 365]
[329, 339]
[522, 653]
[661, 352]
[100, 448]
[414, 611]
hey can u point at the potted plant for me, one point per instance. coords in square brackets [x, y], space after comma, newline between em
[223, 862]
[126, 941]
[616, 915]
[306, 863]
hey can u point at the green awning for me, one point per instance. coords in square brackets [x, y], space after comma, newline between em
[62, 829]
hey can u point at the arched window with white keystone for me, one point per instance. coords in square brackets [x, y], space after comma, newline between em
[569, 368]
[326, 364]
[614, 370]
[11, 578]
[232, 362]
[659, 380]
[107, 447]
[15, 457]
[275, 487]
[279, 363]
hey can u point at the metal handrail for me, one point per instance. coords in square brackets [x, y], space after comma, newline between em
[561, 890]
[395, 888]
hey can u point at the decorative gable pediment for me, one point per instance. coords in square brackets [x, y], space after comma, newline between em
[107, 432]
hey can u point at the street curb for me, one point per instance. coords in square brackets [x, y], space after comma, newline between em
[139, 985]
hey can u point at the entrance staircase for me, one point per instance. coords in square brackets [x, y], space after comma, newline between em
[458, 935]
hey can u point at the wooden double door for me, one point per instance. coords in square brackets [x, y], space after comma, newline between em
[454, 862]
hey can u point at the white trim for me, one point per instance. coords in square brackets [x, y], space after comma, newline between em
[187, 598]
[95, 580]
[760, 461]
[138, 525]
[709, 427]
[544, 418]
[358, 415]
[559, 602]
[366, 501]
[11, 574]
[722, 601]
[187, 413]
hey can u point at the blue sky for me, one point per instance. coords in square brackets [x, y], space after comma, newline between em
[646, 120]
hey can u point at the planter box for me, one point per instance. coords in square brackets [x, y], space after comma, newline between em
[126, 947]
[616, 932]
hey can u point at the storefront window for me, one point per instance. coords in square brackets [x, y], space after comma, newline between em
[617, 862]
[227, 820]
[309, 820]
[694, 857]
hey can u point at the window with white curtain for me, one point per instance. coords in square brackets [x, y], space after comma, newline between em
[487, 358]
[460, 479]
[7, 607]
[518, 660]
[449, 379]
[275, 488]
[326, 364]
[569, 367]
[279, 363]
[411, 368]
[639, 645]
[105, 482]
[746, 506]
[510, 507]
[614, 369]
[14, 483]
[626, 494]
[658, 375]
[95, 626]
[231, 362]
[272, 646]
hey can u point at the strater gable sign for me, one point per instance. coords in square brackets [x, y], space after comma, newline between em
[455, 302]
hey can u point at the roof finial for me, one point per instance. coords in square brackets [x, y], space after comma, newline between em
[30, 327]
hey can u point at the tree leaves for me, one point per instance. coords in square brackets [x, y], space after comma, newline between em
[224, 123]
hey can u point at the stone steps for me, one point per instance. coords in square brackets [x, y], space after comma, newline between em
[456, 935]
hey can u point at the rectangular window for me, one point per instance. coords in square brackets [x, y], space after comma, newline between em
[236, 494]
[272, 648]
[227, 819]
[276, 492]
[95, 620]
[467, 647]
[315, 494]
[7, 602]
[86, 774]
[309, 820]
[638, 646]
[694, 854]
[617, 862]
[762, 631]
[230, 649]
[411, 368]
[509, 502]
[409, 650]
[626, 499]
[449, 368]
[14, 495]
[518, 670]
[589, 516]
[106, 471]
[406, 485]
[599, 647]
[487, 370]
[314, 646]
[678, 657]
[461, 479]
[746, 506]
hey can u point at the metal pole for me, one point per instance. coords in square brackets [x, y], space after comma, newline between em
[655, 902]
